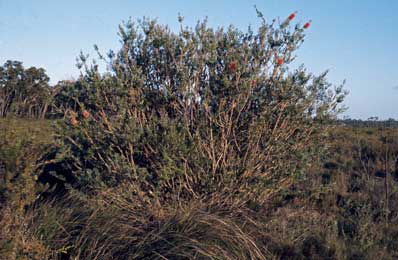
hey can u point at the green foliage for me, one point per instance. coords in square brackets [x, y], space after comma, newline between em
[24, 92]
[22, 142]
[372, 122]
[192, 113]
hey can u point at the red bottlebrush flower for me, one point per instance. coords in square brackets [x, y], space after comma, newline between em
[74, 121]
[86, 114]
[307, 25]
[291, 16]
[279, 61]
[232, 66]
[253, 82]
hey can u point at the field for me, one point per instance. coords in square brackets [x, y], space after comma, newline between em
[197, 144]
[346, 209]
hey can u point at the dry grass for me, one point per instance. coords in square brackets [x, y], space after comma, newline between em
[116, 225]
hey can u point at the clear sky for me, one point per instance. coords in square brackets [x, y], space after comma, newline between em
[355, 39]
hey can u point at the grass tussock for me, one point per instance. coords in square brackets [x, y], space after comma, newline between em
[115, 225]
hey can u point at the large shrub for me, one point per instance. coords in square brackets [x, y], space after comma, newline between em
[200, 111]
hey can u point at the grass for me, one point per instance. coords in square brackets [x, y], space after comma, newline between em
[335, 212]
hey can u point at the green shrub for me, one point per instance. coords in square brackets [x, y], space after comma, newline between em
[22, 143]
[196, 112]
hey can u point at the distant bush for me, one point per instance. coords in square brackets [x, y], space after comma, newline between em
[24, 92]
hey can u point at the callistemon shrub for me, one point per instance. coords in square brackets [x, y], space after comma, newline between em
[197, 112]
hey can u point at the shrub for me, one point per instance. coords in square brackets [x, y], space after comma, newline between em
[22, 143]
[201, 111]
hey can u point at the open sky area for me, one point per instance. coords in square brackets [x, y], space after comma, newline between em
[355, 40]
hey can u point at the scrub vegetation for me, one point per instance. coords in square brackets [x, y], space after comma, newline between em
[198, 144]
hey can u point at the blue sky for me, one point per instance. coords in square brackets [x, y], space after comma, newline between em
[356, 40]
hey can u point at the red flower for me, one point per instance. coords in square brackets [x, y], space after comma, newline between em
[253, 82]
[74, 122]
[86, 114]
[291, 16]
[232, 66]
[279, 61]
[307, 25]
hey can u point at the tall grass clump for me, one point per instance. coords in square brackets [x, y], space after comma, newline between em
[117, 225]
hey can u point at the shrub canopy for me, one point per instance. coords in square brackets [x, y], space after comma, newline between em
[200, 111]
